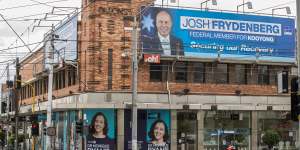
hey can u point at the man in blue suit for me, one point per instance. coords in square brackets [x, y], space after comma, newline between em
[163, 42]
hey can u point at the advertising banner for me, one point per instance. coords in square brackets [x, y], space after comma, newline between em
[101, 129]
[153, 130]
[205, 34]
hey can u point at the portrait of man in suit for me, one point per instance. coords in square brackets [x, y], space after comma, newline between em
[163, 42]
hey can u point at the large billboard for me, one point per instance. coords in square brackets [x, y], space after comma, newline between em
[205, 34]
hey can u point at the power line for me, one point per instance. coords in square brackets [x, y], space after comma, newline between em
[23, 6]
[279, 5]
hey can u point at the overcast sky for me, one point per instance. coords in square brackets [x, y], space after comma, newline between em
[24, 25]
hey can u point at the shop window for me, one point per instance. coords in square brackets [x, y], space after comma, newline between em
[155, 72]
[187, 130]
[198, 72]
[221, 73]
[181, 72]
[240, 74]
[278, 123]
[223, 129]
[263, 75]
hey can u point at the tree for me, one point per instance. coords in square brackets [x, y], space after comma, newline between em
[271, 138]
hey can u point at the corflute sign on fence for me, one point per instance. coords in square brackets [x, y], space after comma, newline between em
[207, 34]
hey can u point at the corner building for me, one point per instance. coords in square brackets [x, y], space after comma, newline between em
[205, 103]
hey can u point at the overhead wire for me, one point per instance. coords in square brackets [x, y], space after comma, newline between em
[279, 5]
[23, 6]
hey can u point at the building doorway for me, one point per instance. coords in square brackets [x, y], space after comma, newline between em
[187, 130]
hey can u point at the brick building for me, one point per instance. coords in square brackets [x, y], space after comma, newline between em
[205, 103]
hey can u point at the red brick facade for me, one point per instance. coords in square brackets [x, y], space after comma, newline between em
[102, 28]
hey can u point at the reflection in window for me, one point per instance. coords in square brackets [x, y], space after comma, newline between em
[198, 71]
[240, 74]
[263, 75]
[181, 72]
[221, 73]
[155, 72]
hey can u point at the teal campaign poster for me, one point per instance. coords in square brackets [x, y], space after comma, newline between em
[101, 129]
[153, 130]
[158, 130]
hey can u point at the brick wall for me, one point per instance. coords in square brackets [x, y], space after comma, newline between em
[102, 28]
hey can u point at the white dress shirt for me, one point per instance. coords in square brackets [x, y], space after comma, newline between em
[165, 44]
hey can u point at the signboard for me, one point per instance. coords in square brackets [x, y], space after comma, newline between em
[152, 58]
[153, 130]
[204, 34]
[101, 125]
[51, 131]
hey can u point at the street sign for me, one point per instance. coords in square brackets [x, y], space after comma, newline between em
[51, 131]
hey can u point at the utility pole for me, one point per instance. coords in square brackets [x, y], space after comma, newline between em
[8, 103]
[298, 59]
[17, 87]
[134, 85]
[50, 82]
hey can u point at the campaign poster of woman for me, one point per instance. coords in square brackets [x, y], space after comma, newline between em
[158, 129]
[101, 134]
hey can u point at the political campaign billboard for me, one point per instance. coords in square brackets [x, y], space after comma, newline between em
[205, 34]
[153, 132]
[101, 125]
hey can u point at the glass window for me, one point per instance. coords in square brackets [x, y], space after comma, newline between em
[221, 73]
[240, 74]
[225, 128]
[263, 75]
[198, 72]
[277, 123]
[155, 72]
[187, 130]
[181, 72]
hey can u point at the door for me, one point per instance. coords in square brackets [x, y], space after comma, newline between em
[187, 131]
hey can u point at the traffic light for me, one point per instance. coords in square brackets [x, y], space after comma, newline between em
[79, 126]
[295, 99]
[45, 130]
[35, 129]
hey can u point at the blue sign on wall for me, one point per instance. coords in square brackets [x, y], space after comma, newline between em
[206, 34]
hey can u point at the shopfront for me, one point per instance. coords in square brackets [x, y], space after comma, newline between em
[223, 129]
[187, 130]
[278, 123]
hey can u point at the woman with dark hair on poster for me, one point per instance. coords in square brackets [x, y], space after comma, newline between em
[98, 138]
[159, 136]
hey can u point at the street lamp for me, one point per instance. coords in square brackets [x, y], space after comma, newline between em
[287, 9]
[249, 6]
[214, 2]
